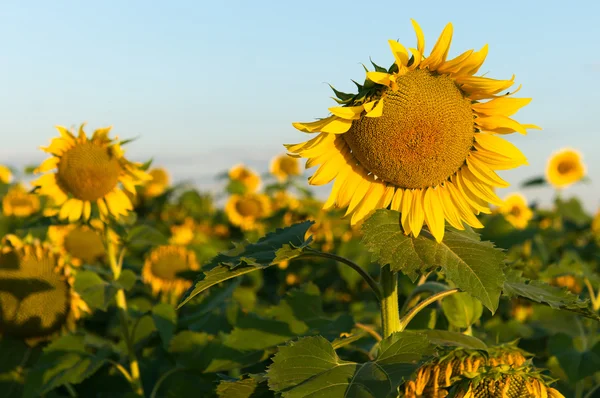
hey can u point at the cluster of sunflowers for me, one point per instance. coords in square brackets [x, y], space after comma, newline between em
[116, 282]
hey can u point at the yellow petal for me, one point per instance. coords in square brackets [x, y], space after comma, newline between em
[407, 201]
[347, 112]
[377, 111]
[471, 65]
[500, 125]
[461, 205]
[484, 173]
[454, 64]
[47, 165]
[420, 36]
[483, 85]
[359, 193]
[440, 50]
[500, 147]
[397, 200]
[417, 216]
[76, 209]
[380, 78]
[450, 212]
[434, 213]
[87, 210]
[369, 203]
[400, 53]
[506, 106]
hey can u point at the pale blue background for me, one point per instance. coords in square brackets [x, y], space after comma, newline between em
[209, 84]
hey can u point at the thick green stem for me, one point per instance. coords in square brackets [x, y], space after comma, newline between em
[390, 311]
[121, 301]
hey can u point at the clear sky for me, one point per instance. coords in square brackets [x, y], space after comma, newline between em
[206, 84]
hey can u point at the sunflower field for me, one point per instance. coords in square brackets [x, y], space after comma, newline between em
[413, 278]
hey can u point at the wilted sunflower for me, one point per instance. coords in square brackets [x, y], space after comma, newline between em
[421, 137]
[565, 167]
[89, 173]
[516, 211]
[162, 266]
[5, 174]
[248, 178]
[159, 183]
[246, 211]
[20, 203]
[36, 294]
[284, 166]
[81, 244]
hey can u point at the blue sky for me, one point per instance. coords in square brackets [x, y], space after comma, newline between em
[209, 84]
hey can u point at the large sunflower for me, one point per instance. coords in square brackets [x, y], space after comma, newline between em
[420, 137]
[162, 266]
[80, 244]
[565, 167]
[20, 203]
[89, 173]
[36, 294]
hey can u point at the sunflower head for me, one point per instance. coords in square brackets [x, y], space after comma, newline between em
[420, 137]
[596, 224]
[246, 211]
[89, 173]
[162, 266]
[159, 183]
[568, 281]
[20, 203]
[5, 175]
[565, 167]
[516, 211]
[247, 178]
[183, 234]
[80, 244]
[284, 166]
[36, 298]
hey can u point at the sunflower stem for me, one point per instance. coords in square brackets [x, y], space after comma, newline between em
[390, 311]
[121, 301]
[417, 308]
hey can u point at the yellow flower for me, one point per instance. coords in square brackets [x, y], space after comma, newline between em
[568, 281]
[183, 234]
[81, 244]
[5, 175]
[162, 266]
[37, 299]
[421, 139]
[283, 166]
[516, 211]
[20, 203]
[89, 173]
[159, 183]
[245, 211]
[248, 178]
[565, 167]
[596, 224]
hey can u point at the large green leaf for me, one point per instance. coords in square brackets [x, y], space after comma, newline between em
[453, 339]
[576, 364]
[462, 310]
[280, 245]
[249, 387]
[543, 293]
[165, 321]
[474, 266]
[94, 290]
[311, 367]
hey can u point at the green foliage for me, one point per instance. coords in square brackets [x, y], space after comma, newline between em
[474, 266]
[462, 310]
[577, 364]
[94, 290]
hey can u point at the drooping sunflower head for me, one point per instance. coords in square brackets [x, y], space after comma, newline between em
[159, 183]
[249, 180]
[36, 294]
[246, 211]
[565, 167]
[20, 203]
[516, 211]
[89, 173]
[420, 137]
[162, 266]
[5, 175]
[80, 244]
[284, 166]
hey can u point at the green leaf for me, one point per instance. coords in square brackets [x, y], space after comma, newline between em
[462, 310]
[95, 291]
[572, 210]
[474, 266]
[165, 320]
[280, 245]
[250, 387]
[553, 296]
[310, 366]
[576, 364]
[534, 182]
[64, 361]
[341, 95]
[453, 339]
[127, 279]
[144, 235]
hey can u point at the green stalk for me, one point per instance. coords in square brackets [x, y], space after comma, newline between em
[417, 308]
[121, 301]
[390, 311]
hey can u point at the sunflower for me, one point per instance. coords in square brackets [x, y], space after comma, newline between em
[20, 203]
[421, 137]
[37, 298]
[81, 244]
[565, 167]
[89, 173]
[5, 175]
[283, 167]
[516, 211]
[246, 211]
[568, 281]
[162, 266]
[159, 183]
[246, 177]
[596, 224]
